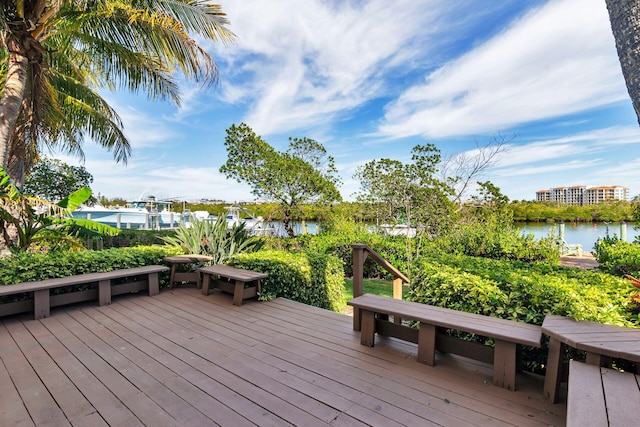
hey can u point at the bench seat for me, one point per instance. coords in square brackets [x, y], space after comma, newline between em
[507, 334]
[246, 283]
[600, 342]
[41, 289]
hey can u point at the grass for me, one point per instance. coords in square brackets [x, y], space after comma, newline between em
[370, 286]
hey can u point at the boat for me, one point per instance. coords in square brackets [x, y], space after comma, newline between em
[235, 215]
[147, 214]
[398, 230]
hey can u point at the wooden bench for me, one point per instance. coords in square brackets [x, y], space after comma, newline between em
[600, 342]
[246, 282]
[187, 262]
[506, 333]
[42, 301]
[599, 397]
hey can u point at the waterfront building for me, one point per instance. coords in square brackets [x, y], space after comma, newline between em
[583, 195]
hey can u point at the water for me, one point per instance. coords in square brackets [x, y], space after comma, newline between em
[585, 234]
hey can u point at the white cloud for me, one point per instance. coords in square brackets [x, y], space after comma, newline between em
[300, 66]
[556, 60]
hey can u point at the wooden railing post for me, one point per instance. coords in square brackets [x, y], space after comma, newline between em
[360, 254]
[359, 258]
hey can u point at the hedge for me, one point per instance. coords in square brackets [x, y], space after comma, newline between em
[523, 292]
[309, 278]
[27, 266]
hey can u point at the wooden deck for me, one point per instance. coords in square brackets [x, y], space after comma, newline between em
[181, 358]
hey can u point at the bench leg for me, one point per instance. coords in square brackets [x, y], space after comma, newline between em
[504, 364]
[597, 359]
[104, 292]
[552, 377]
[427, 344]
[154, 284]
[206, 278]
[368, 327]
[238, 290]
[172, 278]
[41, 304]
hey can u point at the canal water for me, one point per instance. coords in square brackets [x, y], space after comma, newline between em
[585, 234]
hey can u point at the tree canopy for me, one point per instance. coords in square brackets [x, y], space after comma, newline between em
[53, 180]
[408, 192]
[304, 174]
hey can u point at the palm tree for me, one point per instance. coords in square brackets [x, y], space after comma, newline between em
[55, 54]
[624, 16]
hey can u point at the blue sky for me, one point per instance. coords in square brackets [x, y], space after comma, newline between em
[372, 79]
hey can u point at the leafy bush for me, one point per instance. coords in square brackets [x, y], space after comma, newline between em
[130, 237]
[522, 292]
[25, 267]
[336, 239]
[618, 257]
[215, 239]
[497, 240]
[309, 278]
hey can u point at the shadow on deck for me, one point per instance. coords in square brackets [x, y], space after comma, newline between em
[181, 358]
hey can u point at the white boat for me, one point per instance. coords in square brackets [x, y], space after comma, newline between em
[149, 214]
[251, 223]
[398, 230]
[234, 216]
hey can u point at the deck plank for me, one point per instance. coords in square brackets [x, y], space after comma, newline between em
[182, 358]
[35, 397]
[351, 353]
[71, 401]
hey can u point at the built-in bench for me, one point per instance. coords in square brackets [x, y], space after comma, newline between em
[507, 334]
[145, 277]
[243, 284]
[599, 396]
[600, 342]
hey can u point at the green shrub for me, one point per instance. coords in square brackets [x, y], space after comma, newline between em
[497, 240]
[25, 267]
[128, 238]
[309, 278]
[335, 241]
[618, 257]
[522, 292]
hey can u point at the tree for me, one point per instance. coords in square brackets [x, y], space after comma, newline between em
[54, 54]
[304, 174]
[460, 170]
[624, 16]
[410, 192]
[53, 180]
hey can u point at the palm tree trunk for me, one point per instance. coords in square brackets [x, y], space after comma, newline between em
[624, 16]
[12, 96]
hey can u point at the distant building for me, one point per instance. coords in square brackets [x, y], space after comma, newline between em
[582, 195]
[543, 196]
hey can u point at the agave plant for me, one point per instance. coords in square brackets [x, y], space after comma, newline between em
[215, 239]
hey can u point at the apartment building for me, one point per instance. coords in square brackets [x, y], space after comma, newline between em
[583, 195]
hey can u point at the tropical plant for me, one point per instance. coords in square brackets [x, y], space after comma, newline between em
[55, 53]
[33, 217]
[214, 238]
[304, 174]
